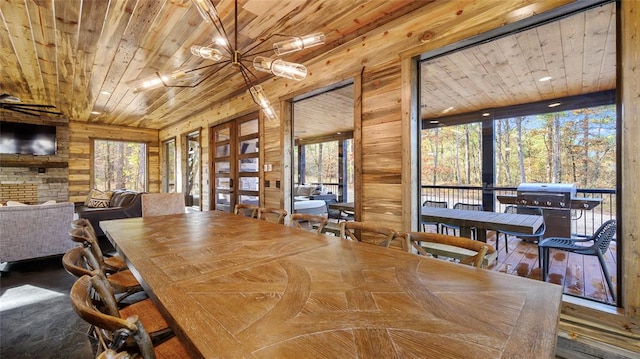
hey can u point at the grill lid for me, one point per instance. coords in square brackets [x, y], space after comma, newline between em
[570, 188]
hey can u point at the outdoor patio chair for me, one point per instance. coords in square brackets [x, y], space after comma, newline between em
[435, 204]
[337, 214]
[465, 206]
[595, 245]
[522, 210]
[443, 243]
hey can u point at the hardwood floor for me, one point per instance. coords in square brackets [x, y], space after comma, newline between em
[579, 275]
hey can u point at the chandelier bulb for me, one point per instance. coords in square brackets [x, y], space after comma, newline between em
[206, 52]
[158, 80]
[298, 43]
[290, 70]
[205, 7]
[269, 113]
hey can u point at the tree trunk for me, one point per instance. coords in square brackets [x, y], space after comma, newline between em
[435, 157]
[523, 175]
[458, 177]
[499, 154]
[585, 146]
[467, 151]
[557, 161]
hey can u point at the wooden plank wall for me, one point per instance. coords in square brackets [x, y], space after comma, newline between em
[384, 111]
[381, 139]
[80, 142]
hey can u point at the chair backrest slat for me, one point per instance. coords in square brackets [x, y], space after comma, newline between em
[603, 235]
[468, 206]
[247, 210]
[348, 231]
[480, 248]
[312, 219]
[275, 215]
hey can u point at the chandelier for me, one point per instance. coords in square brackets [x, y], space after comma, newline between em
[223, 53]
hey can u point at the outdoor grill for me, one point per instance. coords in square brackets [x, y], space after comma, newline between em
[556, 201]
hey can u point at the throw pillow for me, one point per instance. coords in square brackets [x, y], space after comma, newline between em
[98, 199]
[15, 203]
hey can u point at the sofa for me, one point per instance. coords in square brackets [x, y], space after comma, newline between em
[34, 231]
[122, 204]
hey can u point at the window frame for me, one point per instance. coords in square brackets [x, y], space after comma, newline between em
[93, 140]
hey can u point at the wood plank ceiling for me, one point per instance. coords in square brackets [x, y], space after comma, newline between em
[79, 55]
[577, 52]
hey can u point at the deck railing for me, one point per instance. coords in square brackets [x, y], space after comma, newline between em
[583, 222]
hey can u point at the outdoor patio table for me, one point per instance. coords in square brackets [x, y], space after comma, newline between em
[482, 220]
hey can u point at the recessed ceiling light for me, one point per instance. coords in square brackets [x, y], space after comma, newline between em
[486, 114]
[546, 78]
[555, 104]
[434, 121]
[105, 92]
[95, 112]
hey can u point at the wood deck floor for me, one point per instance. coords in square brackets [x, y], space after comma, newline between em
[579, 275]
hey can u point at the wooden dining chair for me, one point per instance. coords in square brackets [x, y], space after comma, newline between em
[428, 243]
[311, 220]
[113, 263]
[115, 327]
[367, 233]
[122, 281]
[112, 354]
[161, 204]
[247, 210]
[274, 215]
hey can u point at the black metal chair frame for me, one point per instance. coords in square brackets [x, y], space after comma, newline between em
[523, 210]
[434, 204]
[468, 207]
[601, 240]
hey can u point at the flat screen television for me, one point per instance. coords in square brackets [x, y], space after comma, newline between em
[27, 139]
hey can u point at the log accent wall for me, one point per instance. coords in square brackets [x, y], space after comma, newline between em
[80, 140]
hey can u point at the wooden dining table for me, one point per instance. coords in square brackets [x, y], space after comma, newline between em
[236, 287]
[483, 221]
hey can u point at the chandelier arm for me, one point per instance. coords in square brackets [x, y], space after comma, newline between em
[217, 23]
[212, 73]
[243, 66]
[225, 62]
[257, 53]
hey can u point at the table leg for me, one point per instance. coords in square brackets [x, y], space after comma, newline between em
[465, 232]
[481, 235]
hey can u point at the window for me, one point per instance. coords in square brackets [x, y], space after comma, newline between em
[119, 165]
[530, 106]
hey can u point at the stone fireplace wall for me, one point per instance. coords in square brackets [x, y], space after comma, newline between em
[48, 176]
